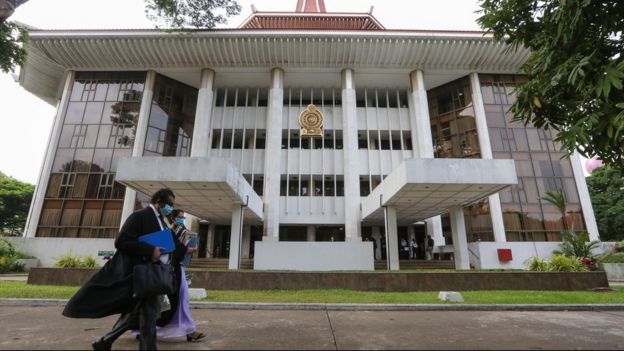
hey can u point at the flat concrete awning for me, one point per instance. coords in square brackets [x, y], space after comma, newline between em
[424, 188]
[208, 188]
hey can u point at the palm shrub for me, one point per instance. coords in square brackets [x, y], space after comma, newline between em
[70, 260]
[561, 263]
[89, 262]
[535, 264]
[576, 245]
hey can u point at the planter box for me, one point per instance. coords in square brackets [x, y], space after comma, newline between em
[444, 281]
[29, 263]
[615, 271]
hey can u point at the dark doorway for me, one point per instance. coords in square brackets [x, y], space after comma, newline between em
[404, 243]
[330, 234]
[293, 233]
[221, 248]
[256, 235]
[421, 234]
[203, 240]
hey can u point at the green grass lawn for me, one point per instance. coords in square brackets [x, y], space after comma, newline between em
[11, 289]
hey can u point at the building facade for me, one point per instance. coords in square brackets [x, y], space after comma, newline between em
[415, 139]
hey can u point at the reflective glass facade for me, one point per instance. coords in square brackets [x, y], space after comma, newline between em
[540, 164]
[171, 120]
[453, 126]
[82, 198]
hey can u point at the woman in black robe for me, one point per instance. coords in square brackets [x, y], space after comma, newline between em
[109, 291]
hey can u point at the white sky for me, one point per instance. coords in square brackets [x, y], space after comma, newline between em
[26, 120]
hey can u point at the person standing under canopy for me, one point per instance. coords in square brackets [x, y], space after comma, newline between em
[110, 291]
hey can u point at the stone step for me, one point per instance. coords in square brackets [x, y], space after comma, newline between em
[418, 264]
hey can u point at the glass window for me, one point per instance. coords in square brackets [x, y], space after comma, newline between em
[79, 167]
[171, 119]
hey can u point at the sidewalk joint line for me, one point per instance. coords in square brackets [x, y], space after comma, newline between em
[331, 327]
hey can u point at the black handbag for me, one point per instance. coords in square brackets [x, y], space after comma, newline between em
[152, 279]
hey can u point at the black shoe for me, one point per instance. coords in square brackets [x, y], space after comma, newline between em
[101, 345]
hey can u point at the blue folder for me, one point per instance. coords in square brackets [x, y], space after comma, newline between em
[163, 239]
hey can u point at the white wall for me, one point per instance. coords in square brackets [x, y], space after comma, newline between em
[314, 256]
[47, 250]
[312, 210]
[484, 255]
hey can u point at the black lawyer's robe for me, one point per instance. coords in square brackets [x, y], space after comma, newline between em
[109, 291]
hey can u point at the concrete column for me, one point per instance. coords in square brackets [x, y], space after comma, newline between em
[311, 233]
[460, 244]
[210, 240]
[422, 142]
[496, 211]
[139, 138]
[273, 159]
[377, 237]
[235, 234]
[586, 205]
[203, 115]
[420, 120]
[434, 228]
[353, 214]
[246, 241]
[36, 205]
[411, 234]
[392, 238]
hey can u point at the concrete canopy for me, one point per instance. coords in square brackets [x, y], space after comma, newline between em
[424, 188]
[208, 188]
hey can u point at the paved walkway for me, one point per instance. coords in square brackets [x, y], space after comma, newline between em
[45, 328]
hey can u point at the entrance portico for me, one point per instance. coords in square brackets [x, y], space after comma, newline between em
[204, 187]
[423, 188]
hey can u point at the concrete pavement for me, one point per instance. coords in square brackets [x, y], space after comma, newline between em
[45, 328]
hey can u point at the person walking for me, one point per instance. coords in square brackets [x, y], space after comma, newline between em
[177, 321]
[110, 291]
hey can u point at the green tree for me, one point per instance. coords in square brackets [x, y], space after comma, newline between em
[15, 197]
[575, 71]
[606, 188]
[174, 14]
[557, 198]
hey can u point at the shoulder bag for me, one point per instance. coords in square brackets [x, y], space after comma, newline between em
[153, 279]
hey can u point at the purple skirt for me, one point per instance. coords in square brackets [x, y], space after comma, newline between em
[181, 324]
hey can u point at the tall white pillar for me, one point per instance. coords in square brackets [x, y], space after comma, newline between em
[353, 214]
[311, 233]
[203, 115]
[422, 142]
[377, 237]
[235, 236]
[246, 241]
[496, 211]
[460, 243]
[139, 138]
[36, 205]
[210, 238]
[583, 191]
[273, 156]
[393, 238]
[434, 228]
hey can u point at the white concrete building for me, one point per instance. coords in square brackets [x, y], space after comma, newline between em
[414, 140]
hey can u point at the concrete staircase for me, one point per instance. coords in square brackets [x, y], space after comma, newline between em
[218, 263]
[418, 264]
[222, 263]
